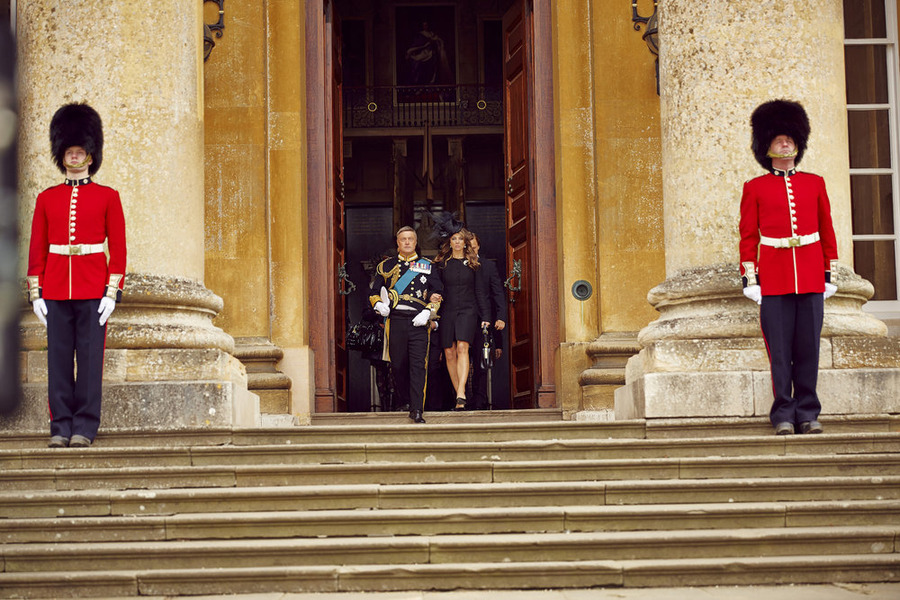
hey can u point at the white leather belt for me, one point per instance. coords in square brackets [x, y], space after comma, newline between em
[75, 249]
[790, 242]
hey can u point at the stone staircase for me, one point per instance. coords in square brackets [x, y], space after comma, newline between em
[466, 505]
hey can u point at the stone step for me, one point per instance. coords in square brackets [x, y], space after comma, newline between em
[377, 427]
[446, 521]
[809, 569]
[79, 473]
[102, 502]
[377, 452]
[534, 415]
[438, 549]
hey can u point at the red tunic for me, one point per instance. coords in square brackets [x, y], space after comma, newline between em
[766, 209]
[80, 214]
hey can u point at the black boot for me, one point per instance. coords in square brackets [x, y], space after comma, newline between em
[416, 415]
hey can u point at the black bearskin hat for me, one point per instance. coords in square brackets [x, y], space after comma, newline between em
[76, 125]
[774, 118]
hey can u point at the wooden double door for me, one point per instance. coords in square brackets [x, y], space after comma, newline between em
[531, 282]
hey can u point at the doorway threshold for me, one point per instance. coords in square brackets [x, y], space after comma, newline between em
[535, 415]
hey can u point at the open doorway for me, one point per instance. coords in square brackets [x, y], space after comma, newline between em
[430, 108]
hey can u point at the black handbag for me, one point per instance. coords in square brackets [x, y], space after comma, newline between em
[365, 336]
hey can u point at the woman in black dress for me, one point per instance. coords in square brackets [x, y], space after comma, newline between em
[464, 308]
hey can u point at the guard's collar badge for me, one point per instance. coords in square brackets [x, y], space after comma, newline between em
[782, 173]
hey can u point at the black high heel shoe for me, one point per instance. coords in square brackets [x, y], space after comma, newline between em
[460, 404]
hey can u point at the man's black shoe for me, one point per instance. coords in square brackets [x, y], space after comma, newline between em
[784, 428]
[79, 441]
[811, 427]
[416, 415]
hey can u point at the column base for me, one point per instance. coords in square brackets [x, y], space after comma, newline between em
[730, 377]
[206, 388]
[749, 393]
[166, 366]
[704, 356]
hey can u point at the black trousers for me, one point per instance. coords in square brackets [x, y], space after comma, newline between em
[408, 349]
[792, 325]
[74, 333]
[479, 398]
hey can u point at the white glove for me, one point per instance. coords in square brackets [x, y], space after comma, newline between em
[107, 306]
[40, 309]
[754, 293]
[422, 318]
[830, 289]
[382, 309]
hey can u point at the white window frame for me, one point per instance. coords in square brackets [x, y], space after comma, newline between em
[886, 309]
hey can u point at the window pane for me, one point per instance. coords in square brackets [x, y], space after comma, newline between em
[868, 255]
[866, 73]
[872, 197]
[870, 144]
[864, 19]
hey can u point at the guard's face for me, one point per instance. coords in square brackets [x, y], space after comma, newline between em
[475, 245]
[406, 243]
[76, 159]
[782, 145]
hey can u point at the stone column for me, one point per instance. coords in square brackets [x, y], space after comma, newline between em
[704, 356]
[141, 67]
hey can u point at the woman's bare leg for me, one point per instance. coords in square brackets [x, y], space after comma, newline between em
[462, 369]
[450, 359]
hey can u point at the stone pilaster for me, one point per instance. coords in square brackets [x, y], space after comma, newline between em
[141, 67]
[704, 356]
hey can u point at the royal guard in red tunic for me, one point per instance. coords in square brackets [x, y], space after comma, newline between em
[788, 253]
[72, 287]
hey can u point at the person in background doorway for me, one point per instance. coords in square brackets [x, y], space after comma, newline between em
[498, 315]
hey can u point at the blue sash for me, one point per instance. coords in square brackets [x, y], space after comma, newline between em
[403, 282]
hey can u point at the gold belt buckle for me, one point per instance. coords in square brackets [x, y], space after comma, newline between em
[794, 242]
[74, 249]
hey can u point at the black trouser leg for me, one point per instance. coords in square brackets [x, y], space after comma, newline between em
[90, 343]
[807, 333]
[60, 366]
[419, 338]
[74, 332]
[479, 382]
[408, 348]
[791, 326]
[398, 330]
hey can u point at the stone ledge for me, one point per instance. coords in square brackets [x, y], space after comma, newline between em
[149, 405]
[165, 364]
[746, 393]
[860, 352]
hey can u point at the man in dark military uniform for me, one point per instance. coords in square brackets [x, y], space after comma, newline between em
[788, 254]
[72, 287]
[406, 290]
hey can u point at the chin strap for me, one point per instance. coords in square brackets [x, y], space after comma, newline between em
[82, 164]
[771, 154]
